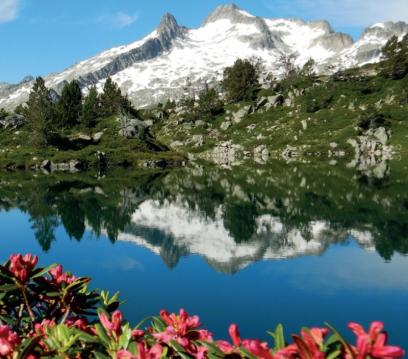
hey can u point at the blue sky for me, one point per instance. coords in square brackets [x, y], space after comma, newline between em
[42, 36]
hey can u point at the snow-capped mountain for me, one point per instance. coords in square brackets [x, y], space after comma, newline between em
[172, 57]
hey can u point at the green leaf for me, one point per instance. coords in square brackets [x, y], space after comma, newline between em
[100, 332]
[26, 346]
[247, 354]
[346, 345]
[99, 355]
[278, 337]
[334, 355]
[8, 287]
[41, 271]
[179, 349]
[213, 349]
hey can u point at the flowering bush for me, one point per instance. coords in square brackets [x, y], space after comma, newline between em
[49, 313]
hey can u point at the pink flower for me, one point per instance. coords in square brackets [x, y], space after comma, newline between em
[9, 340]
[79, 323]
[234, 334]
[182, 326]
[182, 323]
[21, 267]
[113, 326]
[149, 353]
[124, 354]
[255, 347]
[183, 329]
[313, 340]
[137, 333]
[374, 343]
[59, 277]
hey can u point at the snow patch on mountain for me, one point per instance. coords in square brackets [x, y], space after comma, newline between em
[172, 57]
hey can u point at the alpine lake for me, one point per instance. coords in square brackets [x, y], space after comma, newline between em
[292, 243]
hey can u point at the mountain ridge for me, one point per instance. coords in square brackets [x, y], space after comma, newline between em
[163, 63]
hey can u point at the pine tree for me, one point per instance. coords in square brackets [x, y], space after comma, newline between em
[70, 104]
[40, 113]
[209, 103]
[395, 58]
[240, 81]
[90, 109]
[111, 99]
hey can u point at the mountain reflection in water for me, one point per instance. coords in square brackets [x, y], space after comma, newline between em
[230, 218]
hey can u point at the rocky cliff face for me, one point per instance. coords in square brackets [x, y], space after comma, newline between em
[160, 66]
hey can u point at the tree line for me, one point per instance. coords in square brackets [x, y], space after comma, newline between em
[47, 117]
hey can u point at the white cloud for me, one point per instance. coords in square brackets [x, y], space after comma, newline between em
[343, 12]
[8, 10]
[119, 19]
[124, 20]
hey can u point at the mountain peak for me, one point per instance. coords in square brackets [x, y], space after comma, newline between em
[230, 11]
[169, 27]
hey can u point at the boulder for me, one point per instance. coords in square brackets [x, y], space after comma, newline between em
[238, 116]
[97, 136]
[13, 121]
[84, 138]
[261, 103]
[198, 140]
[133, 128]
[225, 125]
[275, 101]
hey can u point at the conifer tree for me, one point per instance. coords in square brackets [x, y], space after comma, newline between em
[91, 108]
[111, 98]
[70, 105]
[240, 81]
[209, 103]
[40, 113]
[395, 56]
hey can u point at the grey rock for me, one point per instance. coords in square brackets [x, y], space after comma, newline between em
[276, 100]
[97, 136]
[238, 116]
[13, 121]
[132, 128]
[225, 125]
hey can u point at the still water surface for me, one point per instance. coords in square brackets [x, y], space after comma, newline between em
[285, 243]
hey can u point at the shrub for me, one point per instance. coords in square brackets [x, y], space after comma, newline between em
[49, 313]
[240, 81]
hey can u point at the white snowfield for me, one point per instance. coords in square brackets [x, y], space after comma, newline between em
[190, 232]
[193, 56]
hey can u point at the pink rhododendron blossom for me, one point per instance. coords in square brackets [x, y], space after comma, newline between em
[124, 354]
[9, 341]
[149, 353]
[374, 342]
[184, 329]
[253, 346]
[59, 277]
[138, 333]
[22, 266]
[112, 326]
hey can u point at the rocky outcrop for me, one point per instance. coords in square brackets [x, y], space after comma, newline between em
[132, 128]
[372, 152]
[12, 121]
[225, 154]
